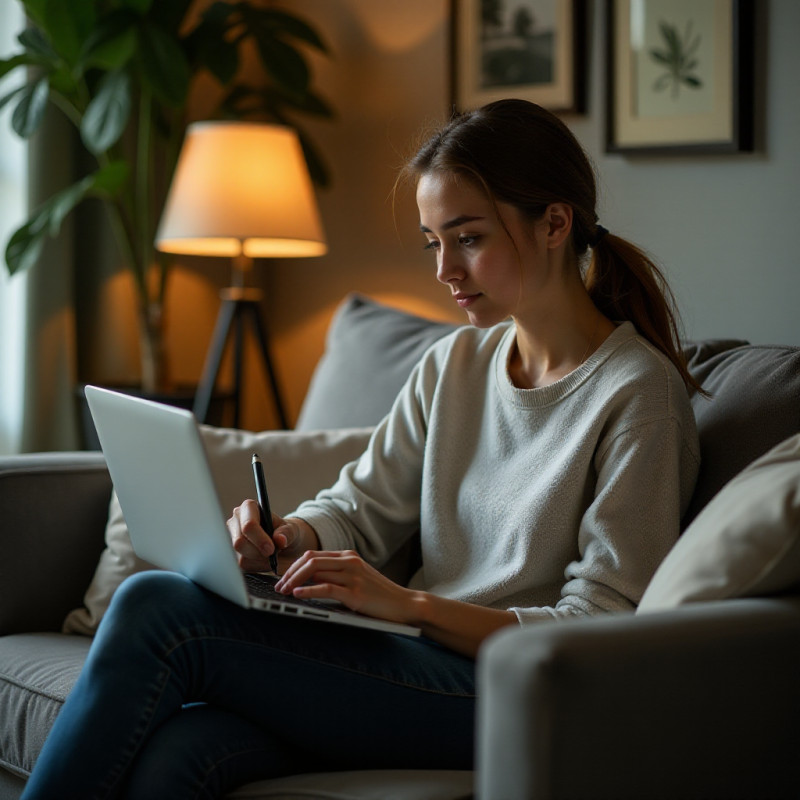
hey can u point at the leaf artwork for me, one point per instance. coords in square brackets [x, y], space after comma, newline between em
[678, 57]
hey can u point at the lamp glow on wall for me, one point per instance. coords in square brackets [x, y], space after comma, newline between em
[240, 190]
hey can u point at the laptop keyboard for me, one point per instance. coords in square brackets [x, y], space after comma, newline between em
[263, 586]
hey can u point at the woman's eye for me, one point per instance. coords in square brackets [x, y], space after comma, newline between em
[432, 245]
[467, 240]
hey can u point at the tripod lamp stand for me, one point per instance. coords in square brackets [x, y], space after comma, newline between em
[240, 190]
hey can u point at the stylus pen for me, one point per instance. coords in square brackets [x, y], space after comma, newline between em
[263, 505]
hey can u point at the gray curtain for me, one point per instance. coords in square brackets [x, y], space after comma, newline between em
[49, 409]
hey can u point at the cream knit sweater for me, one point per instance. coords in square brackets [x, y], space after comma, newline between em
[551, 502]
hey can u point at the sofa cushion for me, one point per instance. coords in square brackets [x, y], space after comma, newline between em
[370, 350]
[297, 466]
[755, 405]
[63, 496]
[37, 670]
[744, 543]
[396, 784]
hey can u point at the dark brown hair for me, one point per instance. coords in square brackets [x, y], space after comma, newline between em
[523, 155]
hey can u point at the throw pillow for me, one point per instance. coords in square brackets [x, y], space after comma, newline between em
[297, 466]
[744, 543]
[370, 350]
[753, 407]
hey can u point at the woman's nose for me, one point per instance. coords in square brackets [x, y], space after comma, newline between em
[447, 266]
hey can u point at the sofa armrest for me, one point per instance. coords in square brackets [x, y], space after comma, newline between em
[53, 512]
[697, 702]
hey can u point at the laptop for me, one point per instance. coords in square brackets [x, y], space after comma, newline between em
[166, 490]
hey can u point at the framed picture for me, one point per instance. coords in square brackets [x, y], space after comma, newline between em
[680, 76]
[530, 49]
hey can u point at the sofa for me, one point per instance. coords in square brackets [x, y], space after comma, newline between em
[694, 695]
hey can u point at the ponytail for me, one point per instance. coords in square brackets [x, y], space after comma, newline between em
[625, 284]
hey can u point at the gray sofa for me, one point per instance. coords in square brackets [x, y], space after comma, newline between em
[695, 695]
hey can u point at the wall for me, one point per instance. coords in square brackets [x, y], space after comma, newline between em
[723, 227]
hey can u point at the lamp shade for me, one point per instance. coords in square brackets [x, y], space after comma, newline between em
[241, 189]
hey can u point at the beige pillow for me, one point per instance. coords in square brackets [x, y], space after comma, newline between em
[297, 466]
[744, 543]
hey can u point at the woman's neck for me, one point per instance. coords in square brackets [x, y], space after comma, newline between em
[554, 342]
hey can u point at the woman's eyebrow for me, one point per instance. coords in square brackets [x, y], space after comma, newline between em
[453, 223]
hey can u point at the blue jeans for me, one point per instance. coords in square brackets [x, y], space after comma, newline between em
[185, 695]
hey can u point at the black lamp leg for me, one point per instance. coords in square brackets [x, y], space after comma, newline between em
[261, 337]
[232, 312]
[216, 350]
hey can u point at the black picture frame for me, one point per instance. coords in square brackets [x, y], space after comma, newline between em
[678, 81]
[534, 50]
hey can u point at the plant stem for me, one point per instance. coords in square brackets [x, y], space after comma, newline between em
[142, 186]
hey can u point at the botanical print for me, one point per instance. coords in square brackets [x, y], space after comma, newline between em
[678, 59]
[672, 46]
[517, 42]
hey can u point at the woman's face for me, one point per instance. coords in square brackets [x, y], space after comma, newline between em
[483, 259]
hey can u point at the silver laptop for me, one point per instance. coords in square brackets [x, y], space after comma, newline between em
[160, 471]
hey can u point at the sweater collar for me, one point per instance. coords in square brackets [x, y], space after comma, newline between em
[546, 395]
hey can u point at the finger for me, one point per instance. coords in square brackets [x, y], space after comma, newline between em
[250, 524]
[307, 568]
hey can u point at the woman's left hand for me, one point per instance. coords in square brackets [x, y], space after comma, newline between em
[346, 577]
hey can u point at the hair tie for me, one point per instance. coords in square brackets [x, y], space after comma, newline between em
[599, 233]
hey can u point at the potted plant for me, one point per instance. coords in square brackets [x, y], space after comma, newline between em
[121, 72]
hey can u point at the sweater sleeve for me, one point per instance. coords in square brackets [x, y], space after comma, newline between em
[645, 476]
[374, 506]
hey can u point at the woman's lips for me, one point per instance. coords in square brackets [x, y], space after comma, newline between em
[465, 300]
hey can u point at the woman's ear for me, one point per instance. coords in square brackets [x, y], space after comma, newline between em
[559, 224]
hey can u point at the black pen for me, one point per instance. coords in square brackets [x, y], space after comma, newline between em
[263, 506]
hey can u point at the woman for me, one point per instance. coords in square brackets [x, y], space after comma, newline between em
[546, 453]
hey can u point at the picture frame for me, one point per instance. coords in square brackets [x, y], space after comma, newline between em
[680, 76]
[529, 49]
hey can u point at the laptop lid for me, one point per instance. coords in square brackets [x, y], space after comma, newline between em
[160, 472]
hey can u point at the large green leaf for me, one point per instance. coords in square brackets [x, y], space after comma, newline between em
[211, 46]
[108, 112]
[221, 59]
[282, 22]
[110, 179]
[113, 41]
[164, 65]
[30, 108]
[37, 44]
[68, 25]
[35, 9]
[284, 64]
[11, 95]
[140, 6]
[21, 59]
[27, 241]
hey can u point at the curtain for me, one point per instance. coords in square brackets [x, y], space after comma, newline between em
[12, 290]
[37, 318]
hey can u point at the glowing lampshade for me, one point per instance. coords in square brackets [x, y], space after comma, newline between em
[241, 189]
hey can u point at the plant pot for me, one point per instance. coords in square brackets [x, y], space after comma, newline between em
[181, 397]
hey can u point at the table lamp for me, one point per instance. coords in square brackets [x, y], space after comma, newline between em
[240, 190]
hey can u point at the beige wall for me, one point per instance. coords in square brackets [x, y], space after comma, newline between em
[386, 80]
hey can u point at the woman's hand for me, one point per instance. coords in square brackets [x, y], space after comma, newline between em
[346, 577]
[253, 546]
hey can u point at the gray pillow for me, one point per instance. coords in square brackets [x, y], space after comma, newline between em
[755, 405]
[369, 353]
[744, 543]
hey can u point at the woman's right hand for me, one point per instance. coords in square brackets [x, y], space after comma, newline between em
[253, 546]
